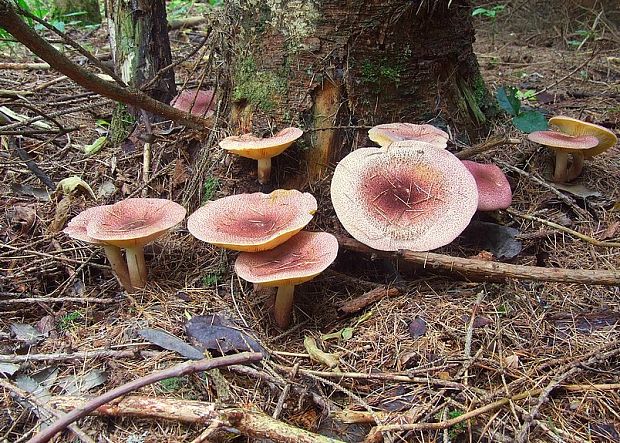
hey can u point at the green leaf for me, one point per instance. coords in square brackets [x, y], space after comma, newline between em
[95, 146]
[347, 333]
[507, 99]
[72, 184]
[530, 121]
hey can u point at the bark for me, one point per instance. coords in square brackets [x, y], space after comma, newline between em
[326, 63]
[140, 45]
[86, 11]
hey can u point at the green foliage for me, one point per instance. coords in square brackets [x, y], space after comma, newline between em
[381, 72]
[68, 321]
[508, 98]
[458, 428]
[210, 186]
[488, 12]
[210, 280]
[171, 384]
[258, 88]
[177, 9]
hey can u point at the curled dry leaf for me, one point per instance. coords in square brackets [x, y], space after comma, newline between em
[208, 332]
[324, 358]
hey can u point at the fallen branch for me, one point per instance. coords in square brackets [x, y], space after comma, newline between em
[12, 23]
[486, 146]
[24, 66]
[174, 371]
[367, 298]
[490, 270]
[250, 423]
[99, 353]
[29, 300]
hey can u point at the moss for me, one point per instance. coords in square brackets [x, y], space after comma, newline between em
[261, 89]
[121, 124]
[381, 72]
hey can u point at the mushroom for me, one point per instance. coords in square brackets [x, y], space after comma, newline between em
[390, 199]
[76, 228]
[196, 101]
[133, 223]
[261, 149]
[571, 126]
[253, 222]
[562, 145]
[493, 188]
[298, 260]
[389, 133]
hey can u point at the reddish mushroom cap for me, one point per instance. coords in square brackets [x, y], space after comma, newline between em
[196, 101]
[135, 221]
[300, 259]
[493, 188]
[563, 142]
[76, 228]
[418, 199]
[572, 126]
[253, 222]
[388, 133]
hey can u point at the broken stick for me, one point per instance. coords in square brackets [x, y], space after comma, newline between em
[489, 269]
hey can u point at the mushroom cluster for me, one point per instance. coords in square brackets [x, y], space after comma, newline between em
[129, 224]
[582, 140]
[412, 193]
[266, 227]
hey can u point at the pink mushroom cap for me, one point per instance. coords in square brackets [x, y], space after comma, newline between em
[197, 101]
[493, 188]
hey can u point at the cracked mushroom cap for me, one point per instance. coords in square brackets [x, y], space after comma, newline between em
[389, 133]
[253, 222]
[571, 126]
[76, 228]
[493, 188]
[417, 199]
[249, 146]
[560, 141]
[298, 260]
[197, 101]
[135, 221]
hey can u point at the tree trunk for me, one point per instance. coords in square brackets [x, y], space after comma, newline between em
[325, 63]
[86, 11]
[140, 45]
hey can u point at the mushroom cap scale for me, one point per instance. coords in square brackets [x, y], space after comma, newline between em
[135, 221]
[249, 146]
[388, 133]
[253, 222]
[493, 187]
[76, 228]
[418, 199]
[559, 141]
[298, 260]
[572, 126]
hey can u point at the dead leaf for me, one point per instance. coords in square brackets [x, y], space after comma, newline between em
[61, 214]
[417, 327]
[498, 239]
[21, 217]
[8, 368]
[585, 323]
[107, 189]
[443, 375]
[82, 383]
[611, 231]
[74, 184]
[179, 174]
[170, 342]
[480, 321]
[319, 356]
[577, 190]
[26, 334]
[484, 255]
[30, 191]
[208, 332]
[512, 361]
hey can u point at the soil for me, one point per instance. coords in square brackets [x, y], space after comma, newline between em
[492, 340]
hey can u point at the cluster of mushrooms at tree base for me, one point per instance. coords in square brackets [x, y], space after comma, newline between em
[410, 193]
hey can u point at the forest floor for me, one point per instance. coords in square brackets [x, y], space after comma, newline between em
[533, 360]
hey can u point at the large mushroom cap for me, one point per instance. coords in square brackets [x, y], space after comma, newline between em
[572, 126]
[298, 260]
[563, 142]
[197, 101]
[253, 222]
[135, 221]
[389, 133]
[493, 188]
[76, 228]
[249, 146]
[418, 199]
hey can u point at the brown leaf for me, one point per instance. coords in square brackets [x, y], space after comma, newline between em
[61, 214]
[179, 174]
[21, 217]
[611, 231]
[417, 327]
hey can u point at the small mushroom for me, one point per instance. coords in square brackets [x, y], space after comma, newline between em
[298, 260]
[133, 223]
[76, 228]
[261, 149]
[493, 187]
[253, 222]
[563, 145]
[196, 101]
[571, 126]
[404, 198]
[389, 133]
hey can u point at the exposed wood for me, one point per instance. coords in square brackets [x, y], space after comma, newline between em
[250, 423]
[372, 296]
[469, 267]
[13, 24]
[24, 66]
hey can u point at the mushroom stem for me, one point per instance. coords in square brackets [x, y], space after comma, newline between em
[119, 267]
[283, 306]
[136, 266]
[575, 169]
[561, 167]
[264, 170]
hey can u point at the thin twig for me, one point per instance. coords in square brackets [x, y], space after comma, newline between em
[486, 146]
